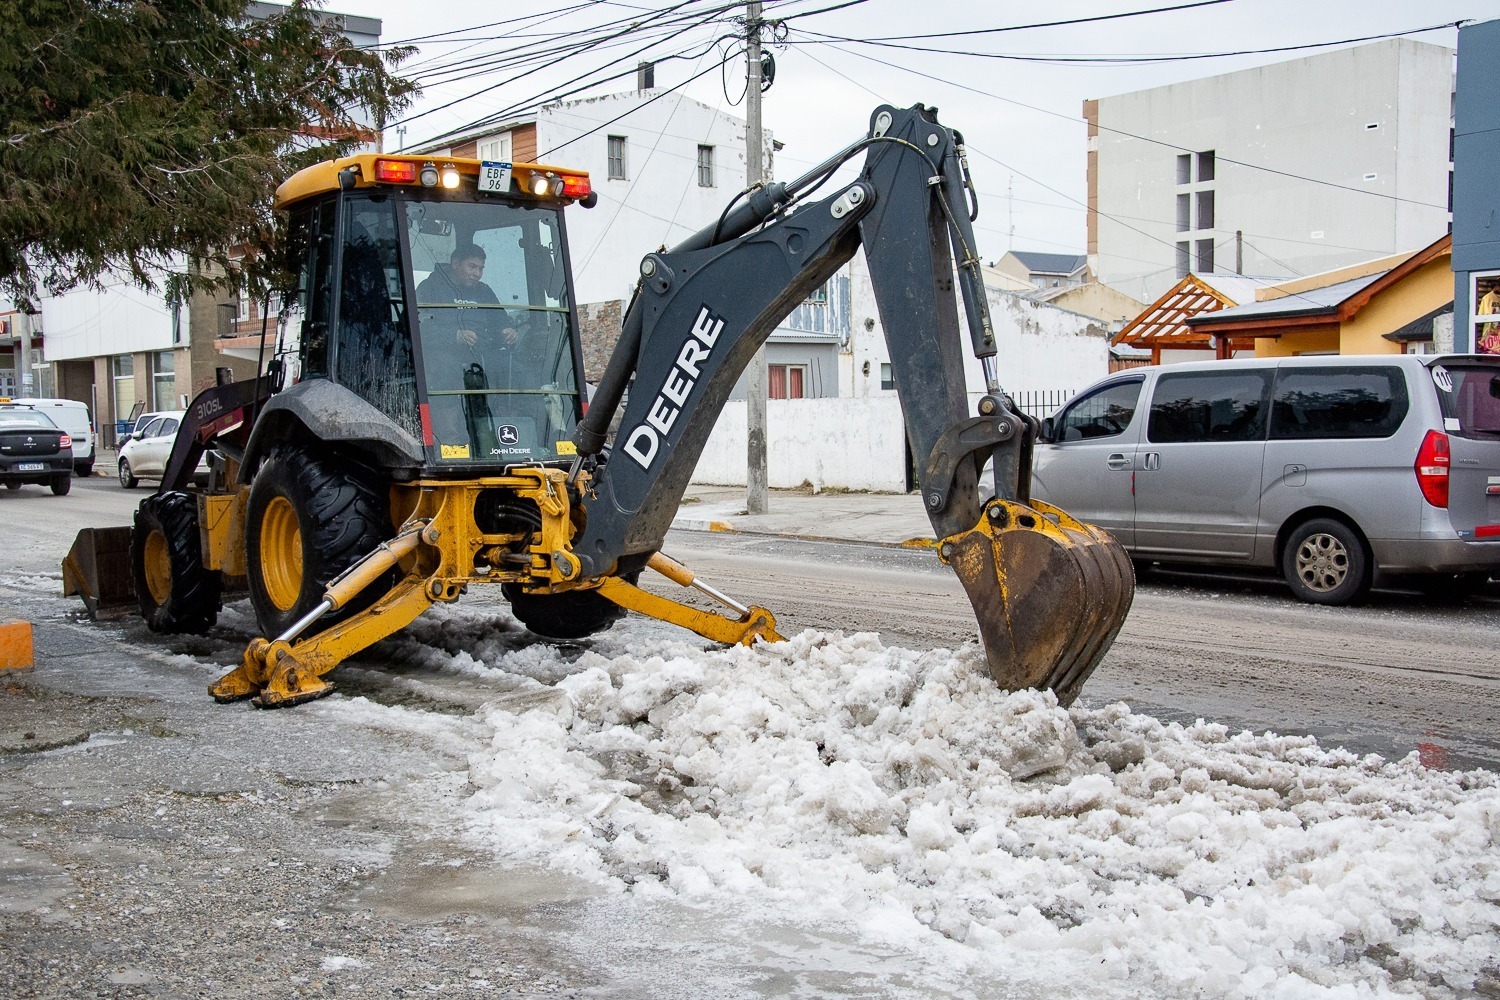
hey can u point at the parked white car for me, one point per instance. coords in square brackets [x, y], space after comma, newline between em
[144, 453]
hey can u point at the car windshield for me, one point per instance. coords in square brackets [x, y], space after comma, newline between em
[1470, 395]
[25, 418]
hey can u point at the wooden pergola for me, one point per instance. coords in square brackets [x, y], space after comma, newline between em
[1164, 323]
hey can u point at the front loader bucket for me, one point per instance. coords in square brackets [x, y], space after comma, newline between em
[1050, 593]
[97, 568]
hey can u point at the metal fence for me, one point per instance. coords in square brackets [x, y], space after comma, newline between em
[1041, 402]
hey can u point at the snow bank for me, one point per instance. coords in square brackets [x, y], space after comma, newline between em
[905, 793]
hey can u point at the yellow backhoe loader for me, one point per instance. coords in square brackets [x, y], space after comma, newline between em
[420, 429]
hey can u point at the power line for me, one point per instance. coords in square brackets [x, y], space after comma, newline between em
[1131, 135]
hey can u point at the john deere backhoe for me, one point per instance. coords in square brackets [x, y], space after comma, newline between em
[409, 442]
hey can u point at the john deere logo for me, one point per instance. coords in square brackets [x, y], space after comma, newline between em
[508, 434]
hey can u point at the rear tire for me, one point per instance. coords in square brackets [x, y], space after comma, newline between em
[574, 614]
[311, 515]
[1326, 562]
[61, 484]
[175, 592]
[84, 469]
[127, 481]
[12, 485]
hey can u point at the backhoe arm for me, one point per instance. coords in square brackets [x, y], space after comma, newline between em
[1049, 592]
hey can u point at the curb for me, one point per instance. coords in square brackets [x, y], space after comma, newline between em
[707, 524]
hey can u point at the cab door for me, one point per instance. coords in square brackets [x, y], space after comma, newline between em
[1087, 468]
[1198, 479]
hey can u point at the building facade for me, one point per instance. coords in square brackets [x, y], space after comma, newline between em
[1476, 190]
[1293, 168]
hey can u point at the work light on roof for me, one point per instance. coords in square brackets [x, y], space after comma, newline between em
[450, 176]
[429, 174]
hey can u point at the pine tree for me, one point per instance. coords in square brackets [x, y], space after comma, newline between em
[138, 133]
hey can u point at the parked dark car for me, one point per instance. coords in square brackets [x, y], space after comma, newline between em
[34, 450]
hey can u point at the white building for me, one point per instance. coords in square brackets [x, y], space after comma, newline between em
[1297, 167]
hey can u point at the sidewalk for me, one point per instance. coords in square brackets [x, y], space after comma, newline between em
[881, 518]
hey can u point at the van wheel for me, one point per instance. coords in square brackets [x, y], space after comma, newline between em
[176, 593]
[1326, 562]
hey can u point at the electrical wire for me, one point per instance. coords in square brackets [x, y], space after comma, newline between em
[1131, 135]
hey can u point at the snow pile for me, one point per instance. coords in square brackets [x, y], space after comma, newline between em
[904, 792]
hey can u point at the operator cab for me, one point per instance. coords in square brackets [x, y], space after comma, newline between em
[447, 308]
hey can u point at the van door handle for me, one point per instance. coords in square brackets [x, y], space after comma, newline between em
[1118, 461]
[1151, 461]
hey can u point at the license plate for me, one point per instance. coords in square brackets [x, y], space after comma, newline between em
[30, 467]
[494, 177]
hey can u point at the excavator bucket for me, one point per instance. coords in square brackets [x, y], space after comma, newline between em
[1050, 593]
[97, 568]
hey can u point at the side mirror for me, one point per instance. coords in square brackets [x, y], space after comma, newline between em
[1046, 434]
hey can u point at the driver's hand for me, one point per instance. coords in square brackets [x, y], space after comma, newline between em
[510, 336]
[468, 337]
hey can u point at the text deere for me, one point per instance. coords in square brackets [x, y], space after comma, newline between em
[644, 442]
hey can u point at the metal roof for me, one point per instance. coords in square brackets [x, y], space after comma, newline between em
[1050, 263]
[1313, 302]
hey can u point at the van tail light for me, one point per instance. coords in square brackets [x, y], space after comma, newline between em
[66, 442]
[1432, 466]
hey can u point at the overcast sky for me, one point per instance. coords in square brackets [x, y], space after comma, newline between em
[1021, 119]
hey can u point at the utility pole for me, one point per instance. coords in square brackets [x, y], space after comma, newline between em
[756, 379]
[1239, 251]
[25, 378]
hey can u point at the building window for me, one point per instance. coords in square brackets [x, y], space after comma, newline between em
[1484, 304]
[495, 150]
[1205, 209]
[1184, 260]
[1185, 168]
[887, 376]
[705, 166]
[123, 373]
[163, 381]
[787, 381]
[1184, 212]
[819, 295]
[617, 157]
[1204, 264]
[1206, 166]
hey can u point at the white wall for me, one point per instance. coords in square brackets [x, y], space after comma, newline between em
[1040, 347]
[857, 444]
[660, 201]
[118, 320]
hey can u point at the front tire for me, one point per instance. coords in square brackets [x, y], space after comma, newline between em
[1326, 562]
[175, 592]
[127, 481]
[311, 515]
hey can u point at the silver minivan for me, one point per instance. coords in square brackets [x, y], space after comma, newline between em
[1337, 470]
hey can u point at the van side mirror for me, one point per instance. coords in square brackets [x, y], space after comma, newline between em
[1046, 434]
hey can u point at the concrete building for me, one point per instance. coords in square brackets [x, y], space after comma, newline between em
[1476, 191]
[1297, 167]
[1044, 271]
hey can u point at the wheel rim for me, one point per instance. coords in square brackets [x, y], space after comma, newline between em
[124, 473]
[1322, 562]
[281, 553]
[158, 566]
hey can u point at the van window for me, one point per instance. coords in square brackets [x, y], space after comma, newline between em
[1103, 413]
[1473, 400]
[1342, 402]
[1209, 406]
